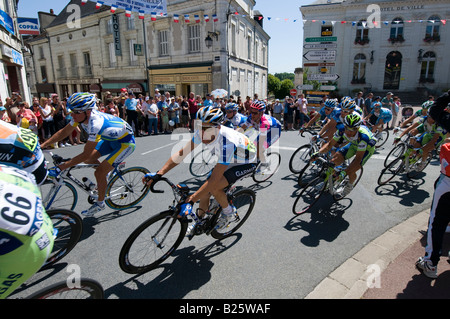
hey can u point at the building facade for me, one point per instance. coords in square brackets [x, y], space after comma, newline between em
[104, 51]
[13, 76]
[398, 46]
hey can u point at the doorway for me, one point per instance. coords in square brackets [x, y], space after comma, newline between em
[392, 71]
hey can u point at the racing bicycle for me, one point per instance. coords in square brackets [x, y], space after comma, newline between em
[159, 236]
[124, 189]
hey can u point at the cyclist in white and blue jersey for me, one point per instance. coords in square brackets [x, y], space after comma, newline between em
[382, 114]
[233, 118]
[107, 135]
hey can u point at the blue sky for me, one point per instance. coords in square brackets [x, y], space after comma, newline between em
[286, 43]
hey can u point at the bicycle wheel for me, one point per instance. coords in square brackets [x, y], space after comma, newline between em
[85, 289]
[388, 173]
[125, 189]
[202, 163]
[415, 170]
[396, 152]
[382, 137]
[338, 188]
[309, 196]
[300, 159]
[244, 201]
[65, 198]
[69, 226]
[152, 243]
[273, 161]
[309, 172]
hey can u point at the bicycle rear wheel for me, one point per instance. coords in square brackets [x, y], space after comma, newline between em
[69, 226]
[300, 159]
[382, 137]
[388, 173]
[244, 201]
[125, 189]
[396, 152]
[202, 163]
[339, 188]
[65, 198]
[262, 174]
[85, 289]
[415, 170]
[309, 196]
[152, 243]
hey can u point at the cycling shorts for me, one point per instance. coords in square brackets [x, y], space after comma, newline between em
[386, 118]
[349, 150]
[426, 137]
[117, 150]
[234, 172]
[22, 256]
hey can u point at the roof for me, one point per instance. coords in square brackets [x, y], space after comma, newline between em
[87, 9]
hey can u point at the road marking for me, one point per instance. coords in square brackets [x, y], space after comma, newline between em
[157, 149]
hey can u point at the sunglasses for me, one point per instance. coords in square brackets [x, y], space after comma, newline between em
[254, 112]
[205, 128]
[78, 112]
[346, 111]
[328, 109]
[351, 129]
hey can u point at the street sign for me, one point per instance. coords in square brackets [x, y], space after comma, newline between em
[327, 87]
[305, 87]
[320, 55]
[319, 64]
[293, 92]
[321, 39]
[317, 46]
[322, 77]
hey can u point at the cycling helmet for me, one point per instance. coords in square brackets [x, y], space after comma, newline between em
[209, 114]
[258, 105]
[331, 103]
[353, 120]
[348, 104]
[427, 104]
[82, 102]
[231, 107]
[376, 105]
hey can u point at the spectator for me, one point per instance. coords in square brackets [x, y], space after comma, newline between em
[277, 110]
[131, 112]
[247, 104]
[193, 108]
[359, 100]
[165, 118]
[47, 116]
[302, 110]
[184, 112]
[396, 108]
[368, 104]
[4, 115]
[12, 106]
[388, 103]
[288, 113]
[152, 111]
[25, 115]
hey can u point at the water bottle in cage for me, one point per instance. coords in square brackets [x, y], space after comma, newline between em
[88, 183]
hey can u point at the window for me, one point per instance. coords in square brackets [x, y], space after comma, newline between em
[112, 55]
[249, 46]
[194, 38]
[433, 29]
[359, 69]
[109, 26]
[133, 57]
[233, 39]
[427, 67]
[396, 34]
[62, 68]
[73, 65]
[130, 23]
[41, 53]
[44, 74]
[362, 33]
[87, 63]
[163, 43]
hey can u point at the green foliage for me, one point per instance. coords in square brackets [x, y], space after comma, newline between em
[280, 84]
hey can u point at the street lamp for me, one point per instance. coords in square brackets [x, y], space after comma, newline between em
[209, 40]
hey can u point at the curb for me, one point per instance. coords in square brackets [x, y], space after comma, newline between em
[349, 281]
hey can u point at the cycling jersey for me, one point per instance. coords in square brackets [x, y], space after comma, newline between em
[384, 114]
[444, 156]
[20, 148]
[363, 141]
[230, 146]
[26, 231]
[329, 116]
[268, 127]
[104, 126]
[236, 121]
[431, 128]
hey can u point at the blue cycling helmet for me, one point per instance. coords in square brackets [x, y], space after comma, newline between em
[210, 114]
[331, 103]
[348, 104]
[82, 102]
[231, 107]
[376, 105]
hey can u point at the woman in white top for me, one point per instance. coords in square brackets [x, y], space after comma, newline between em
[47, 115]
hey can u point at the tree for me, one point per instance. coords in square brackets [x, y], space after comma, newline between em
[285, 88]
[273, 84]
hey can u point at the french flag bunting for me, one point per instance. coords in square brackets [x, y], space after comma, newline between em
[128, 13]
[113, 9]
[153, 16]
[141, 15]
[206, 18]
[215, 19]
[186, 18]
[197, 18]
[83, 2]
[176, 18]
[98, 4]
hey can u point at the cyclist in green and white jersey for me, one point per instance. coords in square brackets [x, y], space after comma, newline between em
[26, 231]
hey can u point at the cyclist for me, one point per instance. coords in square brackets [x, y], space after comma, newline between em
[26, 231]
[382, 115]
[266, 128]
[328, 112]
[107, 135]
[237, 158]
[360, 143]
[20, 148]
[431, 136]
[422, 112]
[233, 118]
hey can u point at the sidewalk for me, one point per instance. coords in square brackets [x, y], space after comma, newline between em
[394, 255]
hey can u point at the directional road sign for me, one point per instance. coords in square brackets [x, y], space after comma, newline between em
[322, 77]
[305, 87]
[321, 39]
[320, 55]
[318, 46]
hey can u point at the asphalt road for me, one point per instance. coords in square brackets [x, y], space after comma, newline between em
[274, 255]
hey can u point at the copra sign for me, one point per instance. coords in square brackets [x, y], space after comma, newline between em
[28, 26]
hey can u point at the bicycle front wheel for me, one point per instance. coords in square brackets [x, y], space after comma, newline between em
[65, 198]
[202, 163]
[309, 196]
[382, 137]
[84, 289]
[262, 174]
[388, 173]
[300, 159]
[125, 189]
[69, 227]
[244, 201]
[396, 152]
[152, 243]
